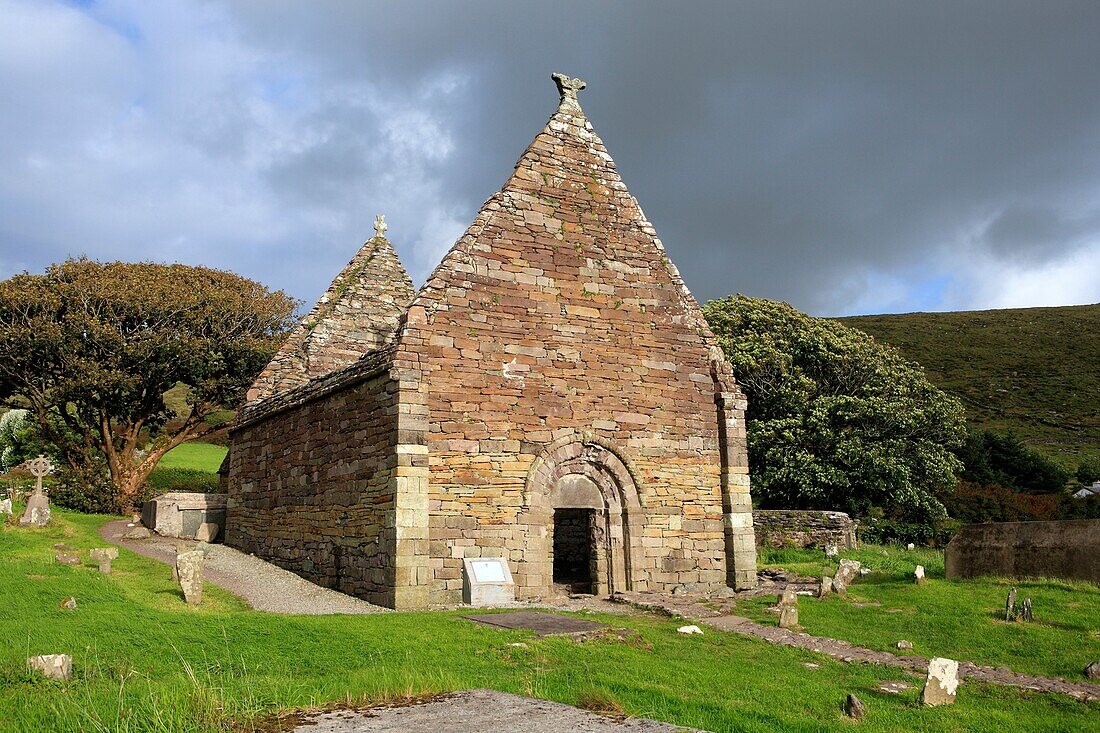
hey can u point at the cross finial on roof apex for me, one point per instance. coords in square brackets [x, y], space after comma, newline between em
[380, 225]
[568, 87]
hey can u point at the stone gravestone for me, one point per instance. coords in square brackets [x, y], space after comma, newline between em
[104, 556]
[5, 507]
[1026, 613]
[788, 609]
[826, 586]
[918, 574]
[487, 581]
[37, 513]
[1010, 605]
[847, 572]
[189, 573]
[66, 559]
[942, 682]
[54, 666]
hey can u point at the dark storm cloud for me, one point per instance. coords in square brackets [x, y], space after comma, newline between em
[845, 157]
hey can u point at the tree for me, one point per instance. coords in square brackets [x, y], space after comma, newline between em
[993, 458]
[835, 419]
[90, 349]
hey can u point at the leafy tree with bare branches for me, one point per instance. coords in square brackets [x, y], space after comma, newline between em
[90, 348]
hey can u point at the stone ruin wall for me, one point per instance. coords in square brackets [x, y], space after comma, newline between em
[311, 487]
[1067, 549]
[803, 528]
[552, 321]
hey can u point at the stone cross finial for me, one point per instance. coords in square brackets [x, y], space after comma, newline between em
[380, 225]
[568, 87]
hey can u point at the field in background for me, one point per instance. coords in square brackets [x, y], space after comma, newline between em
[1035, 371]
[195, 456]
[144, 660]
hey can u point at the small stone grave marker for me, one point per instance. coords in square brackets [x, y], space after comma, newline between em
[37, 513]
[104, 556]
[918, 574]
[189, 574]
[1026, 612]
[66, 559]
[69, 604]
[487, 581]
[5, 507]
[788, 617]
[941, 683]
[826, 586]
[847, 571]
[1010, 605]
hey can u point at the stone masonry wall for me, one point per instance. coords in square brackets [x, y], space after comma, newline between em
[311, 486]
[1067, 549]
[558, 316]
[803, 528]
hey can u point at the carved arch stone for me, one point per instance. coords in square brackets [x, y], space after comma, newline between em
[561, 477]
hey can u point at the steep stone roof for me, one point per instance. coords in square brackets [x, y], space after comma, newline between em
[357, 315]
[566, 195]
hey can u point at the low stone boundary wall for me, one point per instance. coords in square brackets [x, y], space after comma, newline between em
[803, 528]
[1067, 549]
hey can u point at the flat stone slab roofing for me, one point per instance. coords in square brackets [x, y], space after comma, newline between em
[543, 624]
[484, 711]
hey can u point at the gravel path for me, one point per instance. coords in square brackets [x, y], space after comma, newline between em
[266, 587]
[694, 608]
[484, 711]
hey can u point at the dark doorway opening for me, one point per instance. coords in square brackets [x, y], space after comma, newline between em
[573, 549]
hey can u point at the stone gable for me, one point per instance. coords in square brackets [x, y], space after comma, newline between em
[357, 314]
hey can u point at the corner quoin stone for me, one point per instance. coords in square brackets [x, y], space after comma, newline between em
[399, 433]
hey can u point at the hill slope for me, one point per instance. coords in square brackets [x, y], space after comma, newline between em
[1032, 370]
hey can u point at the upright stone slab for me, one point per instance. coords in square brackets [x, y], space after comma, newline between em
[189, 568]
[487, 581]
[848, 571]
[941, 683]
[5, 507]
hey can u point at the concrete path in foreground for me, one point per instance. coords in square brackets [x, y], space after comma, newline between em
[263, 585]
[847, 652]
[483, 711]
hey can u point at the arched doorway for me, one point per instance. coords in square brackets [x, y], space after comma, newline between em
[585, 498]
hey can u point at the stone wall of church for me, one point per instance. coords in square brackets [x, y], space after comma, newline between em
[311, 485]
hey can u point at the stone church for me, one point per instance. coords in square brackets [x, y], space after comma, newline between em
[551, 396]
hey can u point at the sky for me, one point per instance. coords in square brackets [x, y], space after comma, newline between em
[846, 157]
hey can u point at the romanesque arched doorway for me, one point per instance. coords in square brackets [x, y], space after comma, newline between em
[583, 497]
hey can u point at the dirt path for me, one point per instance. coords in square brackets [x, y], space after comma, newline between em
[693, 608]
[266, 587]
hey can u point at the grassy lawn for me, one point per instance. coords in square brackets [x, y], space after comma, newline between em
[958, 619]
[195, 456]
[145, 661]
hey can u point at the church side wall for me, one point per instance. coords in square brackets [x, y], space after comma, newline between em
[311, 489]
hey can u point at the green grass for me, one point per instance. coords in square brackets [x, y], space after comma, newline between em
[1030, 370]
[958, 619]
[145, 661]
[195, 456]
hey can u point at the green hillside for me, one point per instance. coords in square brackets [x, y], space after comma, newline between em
[1032, 370]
